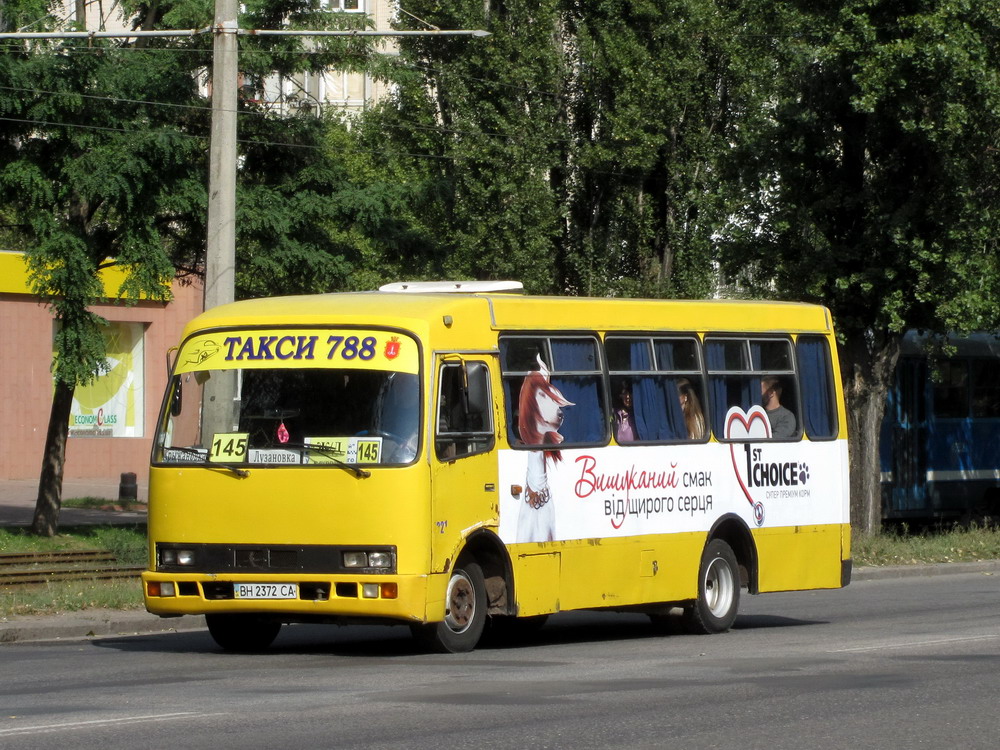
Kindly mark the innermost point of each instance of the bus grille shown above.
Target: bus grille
(245, 558)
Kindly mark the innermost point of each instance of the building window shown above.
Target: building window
(348, 6)
(112, 405)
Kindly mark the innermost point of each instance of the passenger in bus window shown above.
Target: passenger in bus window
(694, 418)
(625, 431)
(782, 420)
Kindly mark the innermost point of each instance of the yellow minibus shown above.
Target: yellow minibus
(453, 455)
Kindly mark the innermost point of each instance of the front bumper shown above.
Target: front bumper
(388, 597)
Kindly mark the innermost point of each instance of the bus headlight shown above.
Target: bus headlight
(185, 557)
(367, 559)
(355, 559)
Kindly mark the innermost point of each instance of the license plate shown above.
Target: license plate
(266, 591)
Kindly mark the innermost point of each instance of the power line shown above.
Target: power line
(254, 141)
(246, 141)
(395, 59)
(112, 99)
(100, 128)
(139, 34)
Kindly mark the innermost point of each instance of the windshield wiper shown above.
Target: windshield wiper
(329, 453)
(203, 460)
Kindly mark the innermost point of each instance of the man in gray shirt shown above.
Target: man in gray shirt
(782, 420)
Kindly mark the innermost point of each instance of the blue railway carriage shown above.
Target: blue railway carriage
(940, 440)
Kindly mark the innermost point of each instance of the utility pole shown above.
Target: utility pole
(219, 406)
(220, 253)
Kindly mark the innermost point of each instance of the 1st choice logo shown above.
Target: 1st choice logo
(762, 473)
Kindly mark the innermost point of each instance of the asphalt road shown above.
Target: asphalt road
(903, 663)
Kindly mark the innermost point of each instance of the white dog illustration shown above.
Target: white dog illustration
(539, 419)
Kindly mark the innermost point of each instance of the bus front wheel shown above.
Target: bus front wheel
(714, 611)
(465, 614)
(242, 633)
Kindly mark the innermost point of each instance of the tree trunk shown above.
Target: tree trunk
(46, 521)
(868, 364)
(148, 23)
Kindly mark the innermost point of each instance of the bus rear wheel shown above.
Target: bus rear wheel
(714, 611)
(465, 614)
(242, 633)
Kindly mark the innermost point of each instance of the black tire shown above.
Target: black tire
(242, 633)
(714, 611)
(464, 617)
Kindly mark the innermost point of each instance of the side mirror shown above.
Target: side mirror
(477, 377)
(175, 399)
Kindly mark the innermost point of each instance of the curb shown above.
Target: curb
(988, 567)
(87, 624)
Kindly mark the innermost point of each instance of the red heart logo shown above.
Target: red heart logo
(742, 426)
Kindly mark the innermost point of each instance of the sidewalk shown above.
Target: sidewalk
(17, 503)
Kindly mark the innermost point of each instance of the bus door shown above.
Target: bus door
(463, 452)
(909, 438)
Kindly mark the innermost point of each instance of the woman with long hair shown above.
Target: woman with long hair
(694, 419)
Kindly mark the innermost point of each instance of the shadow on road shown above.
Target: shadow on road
(395, 641)
(756, 622)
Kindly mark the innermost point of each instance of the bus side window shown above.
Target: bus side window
(656, 385)
(560, 380)
(745, 372)
(464, 411)
(985, 388)
(951, 390)
(729, 382)
(816, 380)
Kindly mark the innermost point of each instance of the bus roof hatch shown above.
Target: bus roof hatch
(467, 287)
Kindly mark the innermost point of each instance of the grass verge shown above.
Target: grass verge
(902, 546)
(128, 545)
(70, 596)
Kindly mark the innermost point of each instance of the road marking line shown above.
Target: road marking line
(41, 728)
(909, 644)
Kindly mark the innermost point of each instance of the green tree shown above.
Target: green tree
(95, 176)
(103, 162)
(872, 185)
(474, 130)
(652, 102)
(576, 148)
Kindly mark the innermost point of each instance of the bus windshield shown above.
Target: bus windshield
(309, 414)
